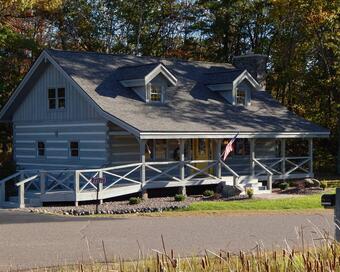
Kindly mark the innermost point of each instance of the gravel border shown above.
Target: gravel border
(119, 207)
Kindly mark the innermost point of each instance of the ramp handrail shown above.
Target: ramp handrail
(235, 175)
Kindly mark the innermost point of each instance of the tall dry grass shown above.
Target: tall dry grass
(322, 256)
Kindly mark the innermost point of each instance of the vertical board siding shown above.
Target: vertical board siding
(35, 105)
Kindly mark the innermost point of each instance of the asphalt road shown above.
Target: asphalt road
(30, 240)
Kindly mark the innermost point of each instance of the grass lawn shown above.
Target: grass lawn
(308, 202)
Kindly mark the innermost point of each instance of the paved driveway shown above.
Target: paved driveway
(30, 240)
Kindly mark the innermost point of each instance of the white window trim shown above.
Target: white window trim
(56, 98)
(149, 93)
(245, 97)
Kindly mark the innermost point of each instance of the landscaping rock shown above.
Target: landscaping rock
(120, 207)
(311, 182)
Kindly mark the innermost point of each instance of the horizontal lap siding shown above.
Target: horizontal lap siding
(92, 140)
(92, 145)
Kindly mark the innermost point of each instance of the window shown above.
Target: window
(155, 93)
(51, 99)
(56, 98)
(41, 149)
(74, 149)
(241, 97)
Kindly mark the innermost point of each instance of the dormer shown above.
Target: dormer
(233, 84)
(148, 81)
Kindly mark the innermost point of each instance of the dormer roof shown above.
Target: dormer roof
(141, 75)
(229, 78)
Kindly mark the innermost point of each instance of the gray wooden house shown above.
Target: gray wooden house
(143, 123)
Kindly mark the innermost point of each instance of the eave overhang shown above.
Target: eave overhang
(221, 135)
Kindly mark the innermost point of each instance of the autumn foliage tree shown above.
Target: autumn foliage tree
(301, 38)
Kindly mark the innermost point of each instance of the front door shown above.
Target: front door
(201, 150)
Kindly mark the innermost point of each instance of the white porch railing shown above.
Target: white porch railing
(26, 180)
(284, 167)
(77, 184)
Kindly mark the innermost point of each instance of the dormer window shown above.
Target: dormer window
(155, 93)
(241, 97)
(233, 84)
(149, 81)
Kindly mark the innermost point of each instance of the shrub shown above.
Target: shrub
(134, 200)
(323, 185)
(179, 197)
(250, 192)
(208, 193)
(284, 186)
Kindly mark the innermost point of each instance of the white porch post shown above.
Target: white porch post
(252, 157)
(142, 144)
(2, 192)
(76, 188)
(270, 182)
(42, 182)
(283, 157)
(182, 166)
(218, 169)
(21, 194)
(310, 154)
(100, 184)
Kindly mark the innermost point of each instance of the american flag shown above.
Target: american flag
(229, 147)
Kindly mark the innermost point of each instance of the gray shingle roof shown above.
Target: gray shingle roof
(220, 77)
(135, 71)
(190, 106)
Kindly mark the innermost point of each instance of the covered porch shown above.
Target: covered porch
(188, 162)
(162, 163)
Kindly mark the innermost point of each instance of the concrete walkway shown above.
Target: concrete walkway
(30, 240)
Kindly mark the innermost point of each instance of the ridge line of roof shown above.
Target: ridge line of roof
(151, 57)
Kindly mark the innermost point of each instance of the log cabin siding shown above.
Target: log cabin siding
(91, 136)
(123, 147)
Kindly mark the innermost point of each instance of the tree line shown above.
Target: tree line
(301, 38)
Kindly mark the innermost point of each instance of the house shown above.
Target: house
(139, 123)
